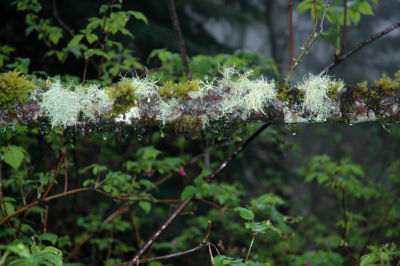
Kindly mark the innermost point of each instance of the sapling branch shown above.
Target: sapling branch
(310, 40)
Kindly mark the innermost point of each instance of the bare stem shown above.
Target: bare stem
(179, 37)
(251, 245)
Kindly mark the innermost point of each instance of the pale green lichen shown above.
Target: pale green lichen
(317, 95)
(166, 111)
(64, 106)
(244, 96)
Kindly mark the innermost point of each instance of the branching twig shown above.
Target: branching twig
(203, 243)
(310, 39)
(361, 45)
(179, 37)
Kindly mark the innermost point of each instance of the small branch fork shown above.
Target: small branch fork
(358, 47)
(184, 203)
(310, 39)
(179, 37)
(201, 245)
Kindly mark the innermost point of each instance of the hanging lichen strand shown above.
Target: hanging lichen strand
(197, 104)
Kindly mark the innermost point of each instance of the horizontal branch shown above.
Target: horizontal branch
(196, 105)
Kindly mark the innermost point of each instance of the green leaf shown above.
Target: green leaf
(91, 38)
(188, 192)
(245, 213)
(368, 259)
(365, 8)
(258, 227)
(75, 41)
(145, 205)
(52, 238)
(139, 15)
(52, 255)
(14, 156)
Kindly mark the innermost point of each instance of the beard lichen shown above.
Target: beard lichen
(320, 93)
(64, 105)
(14, 87)
(241, 96)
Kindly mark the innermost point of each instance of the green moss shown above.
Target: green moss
(289, 95)
(14, 88)
(397, 75)
(178, 90)
(386, 85)
(334, 87)
(188, 125)
(123, 94)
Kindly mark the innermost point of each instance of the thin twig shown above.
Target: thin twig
(157, 233)
(60, 21)
(361, 45)
(46, 215)
(3, 203)
(240, 148)
(342, 41)
(251, 245)
(291, 32)
(65, 174)
(201, 245)
(179, 37)
(310, 40)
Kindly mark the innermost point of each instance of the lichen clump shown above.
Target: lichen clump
(319, 95)
(14, 87)
(241, 96)
(65, 106)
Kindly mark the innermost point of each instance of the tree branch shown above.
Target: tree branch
(358, 47)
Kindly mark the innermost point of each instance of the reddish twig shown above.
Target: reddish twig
(310, 39)
(65, 174)
(201, 245)
(179, 37)
(46, 215)
(361, 45)
(2, 202)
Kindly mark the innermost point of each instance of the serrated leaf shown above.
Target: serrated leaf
(245, 213)
(368, 259)
(75, 41)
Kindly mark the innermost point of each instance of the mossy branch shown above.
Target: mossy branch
(198, 105)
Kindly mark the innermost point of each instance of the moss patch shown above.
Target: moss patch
(178, 90)
(124, 94)
(14, 87)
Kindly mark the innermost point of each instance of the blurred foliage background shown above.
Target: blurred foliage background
(307, 195)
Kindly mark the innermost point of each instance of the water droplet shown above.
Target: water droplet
(350, 124)
(104, 137)
(162, 133)
(140, 137)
